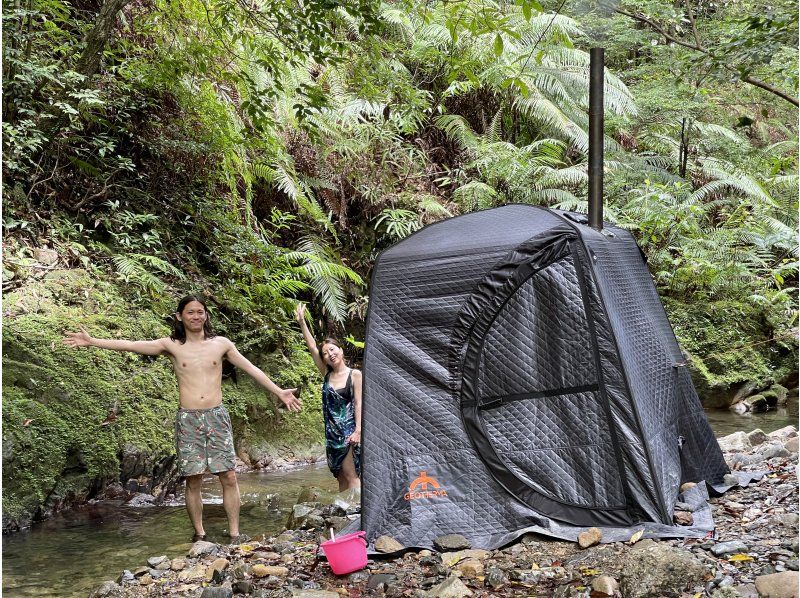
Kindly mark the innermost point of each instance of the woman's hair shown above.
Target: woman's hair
(179, 330)
(329, 340)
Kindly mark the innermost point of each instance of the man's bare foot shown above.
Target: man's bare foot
(197, 537)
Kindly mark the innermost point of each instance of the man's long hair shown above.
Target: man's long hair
(179, 330)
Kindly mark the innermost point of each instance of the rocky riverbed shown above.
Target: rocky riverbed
(754, 552)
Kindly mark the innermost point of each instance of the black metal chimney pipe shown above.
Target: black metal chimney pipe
(596, 71)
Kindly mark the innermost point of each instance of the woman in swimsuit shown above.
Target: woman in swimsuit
(341, 407)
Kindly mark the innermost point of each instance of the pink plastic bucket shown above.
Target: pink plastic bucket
(346, 553)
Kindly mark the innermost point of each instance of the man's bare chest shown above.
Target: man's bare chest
(197, 360)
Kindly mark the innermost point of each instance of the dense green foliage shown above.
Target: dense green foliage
(264, 153)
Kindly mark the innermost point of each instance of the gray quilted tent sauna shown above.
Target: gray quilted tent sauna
(521, 375)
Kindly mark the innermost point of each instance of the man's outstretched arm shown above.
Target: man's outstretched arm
(241, 362)
(82, 339)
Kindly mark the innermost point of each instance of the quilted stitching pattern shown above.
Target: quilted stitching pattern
(578, 468)
(648, 349)
(539, 339)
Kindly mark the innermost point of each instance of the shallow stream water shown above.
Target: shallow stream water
(74, 552)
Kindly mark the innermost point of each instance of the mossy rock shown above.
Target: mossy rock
(60, 445)
(730, 348)
(776, 394)
(757, 403)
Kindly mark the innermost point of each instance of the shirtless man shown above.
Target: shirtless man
(203, 430)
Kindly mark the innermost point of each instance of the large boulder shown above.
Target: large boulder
(654, 569)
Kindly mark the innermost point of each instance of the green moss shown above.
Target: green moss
(56, 436)
(729, 343)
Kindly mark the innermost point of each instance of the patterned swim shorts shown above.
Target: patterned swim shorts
(204, 439)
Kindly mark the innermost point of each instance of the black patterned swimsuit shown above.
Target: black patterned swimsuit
(338, 410)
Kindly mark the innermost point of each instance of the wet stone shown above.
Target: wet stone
(202, 547)
(683, 518)
(155, 561)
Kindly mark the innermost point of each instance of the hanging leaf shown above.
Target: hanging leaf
(498, 44)
(526, 10)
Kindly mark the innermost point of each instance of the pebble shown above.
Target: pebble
(605, 584)
(590, 537)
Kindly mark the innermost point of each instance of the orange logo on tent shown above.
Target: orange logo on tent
(422, 482)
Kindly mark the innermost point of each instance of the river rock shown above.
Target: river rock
(724, 549)
(261, 570)
(215, 569)
(301, 512)
(109, 589)
(757, 437)
(791, 444)
(787, 519)
(726, 592)
(155, 561)
(449, 559)
(452, 587)
(784, 433)
(757, 403)
(202, 547)
(738, 441)
(297, 593)
(771, 450)
(590, 537)
(177, 564)
(687, 486)
(496, 578)
(470, 568)
(126, 577)
(655, 569)
(450, 542)
(388, 544)
(605, 584)
(194, 573)
(223, 591)
(778, 585)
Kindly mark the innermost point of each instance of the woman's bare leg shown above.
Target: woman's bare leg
(347, 476)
